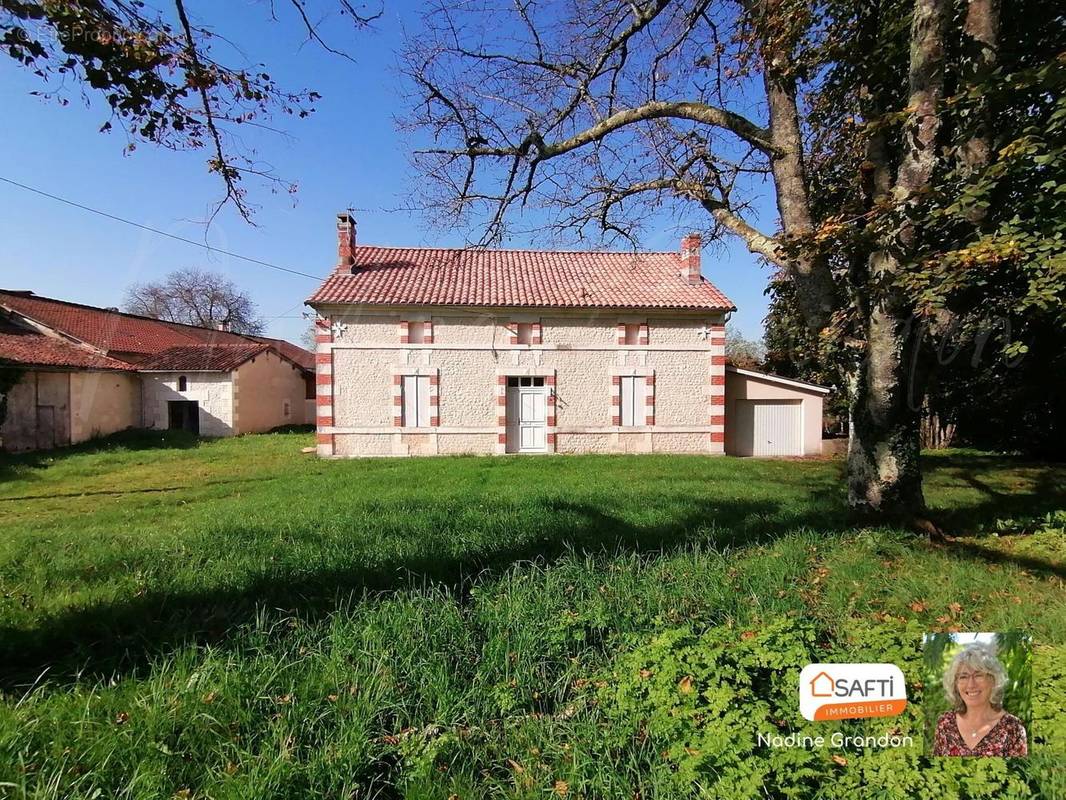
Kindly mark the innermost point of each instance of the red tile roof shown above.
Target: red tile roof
(304, 359)
(26, 347)
(535, 278)
(214, 357)
(137, 339)
(109, 330)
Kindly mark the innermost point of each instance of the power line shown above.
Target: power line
(161, 233)
(283, 314)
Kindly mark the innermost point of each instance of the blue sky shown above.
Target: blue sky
(347, 154)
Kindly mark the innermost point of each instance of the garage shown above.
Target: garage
(769, 427)
(770, 416)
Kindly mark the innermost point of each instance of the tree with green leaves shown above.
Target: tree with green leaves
(987, 294)
(899, 136)
(741, 351)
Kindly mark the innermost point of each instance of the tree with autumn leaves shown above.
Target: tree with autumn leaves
(169, 78)
(987, 292)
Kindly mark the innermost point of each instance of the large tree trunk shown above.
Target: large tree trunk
(815, 292)
(884, 474)
(980, 34)
(889, 382)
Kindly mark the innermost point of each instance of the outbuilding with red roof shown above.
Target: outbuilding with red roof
(84, 371)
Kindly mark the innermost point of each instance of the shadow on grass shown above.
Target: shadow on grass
(114, 638)
(125, 492)
(973, 550)
(1047, 492)
(19, 465)
(121, 637)
(293, 429)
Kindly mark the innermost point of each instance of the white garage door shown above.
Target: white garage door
(769, 428)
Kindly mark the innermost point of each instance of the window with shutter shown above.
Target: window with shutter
(632, 399)
(416, 401)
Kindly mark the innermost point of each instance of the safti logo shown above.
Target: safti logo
(851, 691)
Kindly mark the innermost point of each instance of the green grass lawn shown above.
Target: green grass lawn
(237, 619)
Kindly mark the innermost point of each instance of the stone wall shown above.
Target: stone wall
(212, 390)
(362, 357)
(56, 409)
(103, 403)
(38, 412)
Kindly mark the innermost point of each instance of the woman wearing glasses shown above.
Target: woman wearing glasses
(978, 725)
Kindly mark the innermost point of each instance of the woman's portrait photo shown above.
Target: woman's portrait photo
(977, 693)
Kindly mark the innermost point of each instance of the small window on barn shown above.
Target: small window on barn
(633, 333)
(632, 400)
(525, 332)
(286, 409)
(416, 332)
(183, 383)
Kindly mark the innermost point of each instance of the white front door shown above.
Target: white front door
(527, 415)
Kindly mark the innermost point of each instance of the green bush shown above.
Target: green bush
(696, 701)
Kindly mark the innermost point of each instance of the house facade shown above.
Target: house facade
(434, 351)
(85, 372)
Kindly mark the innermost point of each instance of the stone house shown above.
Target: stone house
(427, 351)
(434, 351)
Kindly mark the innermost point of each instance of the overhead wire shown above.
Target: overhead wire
(159, 232)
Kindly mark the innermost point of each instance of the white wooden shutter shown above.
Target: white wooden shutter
(423, 401)
(410, 400)
(632, 400)
(415, 401)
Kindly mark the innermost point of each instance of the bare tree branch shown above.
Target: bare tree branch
(535, 105)
(534, 146)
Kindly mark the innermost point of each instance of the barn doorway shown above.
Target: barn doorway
(184, 415)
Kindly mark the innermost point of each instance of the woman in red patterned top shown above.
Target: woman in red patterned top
(978, 726)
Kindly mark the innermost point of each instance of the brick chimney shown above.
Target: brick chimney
(690, 258)
(345, 240)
